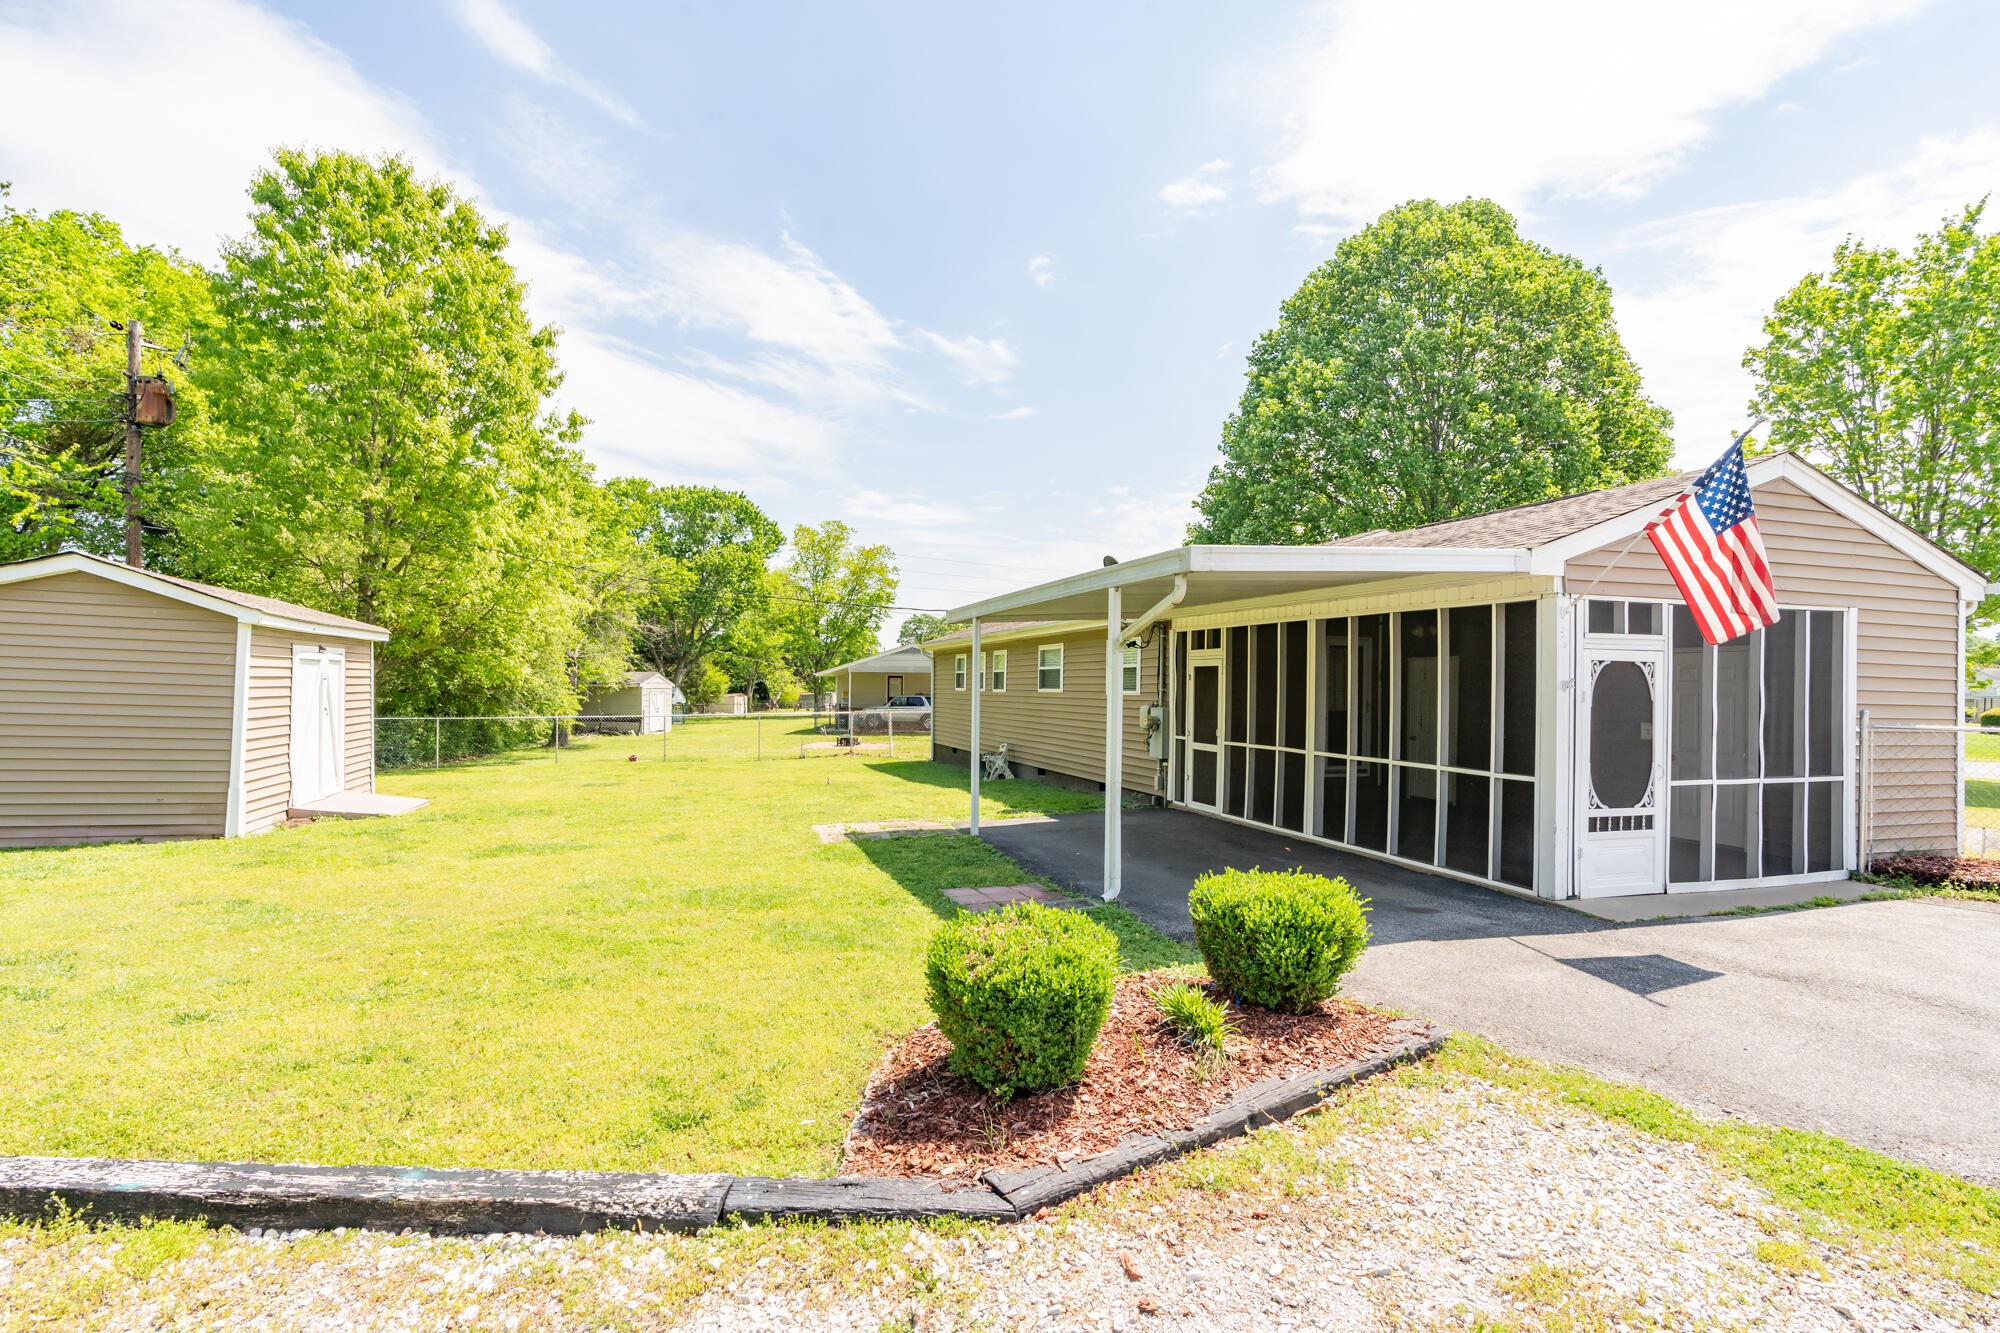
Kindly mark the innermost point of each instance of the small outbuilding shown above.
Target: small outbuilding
(644, 704)
(139, 706)
(872, 681)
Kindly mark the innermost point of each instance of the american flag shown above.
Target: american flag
(1709, 541)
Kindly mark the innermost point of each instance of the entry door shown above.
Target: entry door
(318, 691)
(1203, 756)
(654, 702)
(894, 687)
(1621, 778)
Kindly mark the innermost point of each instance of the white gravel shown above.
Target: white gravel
(1463, 1204)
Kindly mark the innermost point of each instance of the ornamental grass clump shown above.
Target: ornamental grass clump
(1200, 1021)
(1281, 939)
(1021, 994)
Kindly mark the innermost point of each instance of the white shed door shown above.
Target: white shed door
(318, 692)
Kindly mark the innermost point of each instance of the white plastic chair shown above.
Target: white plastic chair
(994, 764)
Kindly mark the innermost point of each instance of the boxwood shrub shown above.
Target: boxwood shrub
(1021, 994)
(1281, 939)
(1990, 718)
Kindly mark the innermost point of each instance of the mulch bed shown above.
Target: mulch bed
(920, 1119)
(1938, 869)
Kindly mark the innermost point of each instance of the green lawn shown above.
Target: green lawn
(1982, 793)
(590, 963)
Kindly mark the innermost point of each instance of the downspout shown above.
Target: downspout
(1173, 599)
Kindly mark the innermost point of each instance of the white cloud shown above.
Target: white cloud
(977, 360)
(1041, 270)
(1573, 98)
(512, 41)
(1206, 184)
(1021, 413)
(1731, 264)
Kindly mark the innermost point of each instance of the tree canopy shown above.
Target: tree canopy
(1885, 371)
(837, 594)
(386, 452)
(922, 625)
(1438, 365)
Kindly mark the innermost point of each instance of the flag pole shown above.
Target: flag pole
(1627, 548)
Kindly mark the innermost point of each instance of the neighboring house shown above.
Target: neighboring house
(1984, 692)
(644, 704)
(870, 682)
(134, 705)
(1516, 699)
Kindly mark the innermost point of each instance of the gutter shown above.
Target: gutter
(1130, 635)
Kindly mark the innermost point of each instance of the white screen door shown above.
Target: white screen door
(1203, 756)
(318, 692)
(1621, 760)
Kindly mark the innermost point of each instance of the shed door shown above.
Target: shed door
(318, 691)
(1621, 774)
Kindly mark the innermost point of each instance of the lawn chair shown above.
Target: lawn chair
(994, 764)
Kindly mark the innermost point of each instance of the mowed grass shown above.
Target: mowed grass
(591, 963)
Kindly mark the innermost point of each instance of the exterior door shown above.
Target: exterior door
(654, 704)
(318, 692)
(1203, 740)
(1621, 773)
(894, 687)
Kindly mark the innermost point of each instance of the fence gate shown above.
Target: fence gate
(1929, 789)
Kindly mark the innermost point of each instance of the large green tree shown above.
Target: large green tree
(837, 594)
(919, 626)
(1440, 364)
(387, 450)
(710, 551)
(68, 281)
(1885, 371)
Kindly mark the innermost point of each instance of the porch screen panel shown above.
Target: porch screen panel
(1371, 686)
(1517, 688)
(1416, 813)
(1466, 833)
(1333, 689)
(1418, 663)
(1371, 804)
(1292, 791)
(1264, 692)
(1469, 688)
(1757, 763)
(1514, 851)
(1333, 800)
(1292, 716)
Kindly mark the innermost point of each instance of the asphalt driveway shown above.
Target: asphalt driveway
(1878, 1022)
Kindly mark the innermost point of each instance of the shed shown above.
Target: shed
(1519, 699)
(643, 704)
(872, 681)
(139, 706)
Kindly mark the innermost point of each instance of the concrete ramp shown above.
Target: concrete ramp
(357, 805)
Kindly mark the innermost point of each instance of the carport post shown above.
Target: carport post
(1114, 739)
(972, 666)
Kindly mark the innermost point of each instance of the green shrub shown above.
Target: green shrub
(1198, 1020)
(1021, 994)
(1281, 939)
(1990, 718)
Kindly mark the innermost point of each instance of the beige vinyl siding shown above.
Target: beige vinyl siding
(1064, 732)
(115, 712)
(1906, 627)
(267, 730)
(870, 689)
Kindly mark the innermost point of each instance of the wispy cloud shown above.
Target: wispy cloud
(1541, 97)
(503, 33)
(977, 360)
(1207, 184)
(1021, 413)
(1041, 270)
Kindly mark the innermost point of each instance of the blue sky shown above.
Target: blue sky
(981, 282)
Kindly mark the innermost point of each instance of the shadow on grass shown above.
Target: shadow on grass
(1017, 796)
(926, 864)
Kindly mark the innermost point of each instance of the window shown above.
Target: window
(1129, 671)
(958, 672)
(1602, 617)
(1049, 668)
(999, 676)
(982, 671)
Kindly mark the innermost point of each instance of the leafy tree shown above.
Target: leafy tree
(388, 454)
(1885, 371)
(837, 594)
(921, 626)
(1438, 365)
(64, 279)
(710, 551)
(611, 582)
(753, 654)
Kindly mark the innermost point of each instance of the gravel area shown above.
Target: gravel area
(1445, 1203)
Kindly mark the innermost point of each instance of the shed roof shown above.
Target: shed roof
(245, 606)
(904, 657)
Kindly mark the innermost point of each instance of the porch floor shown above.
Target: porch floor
(357, 805)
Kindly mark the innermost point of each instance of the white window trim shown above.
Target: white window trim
(1133, 660)
(996, 676)
(1039, 668)
(958, 672)
(982, 672)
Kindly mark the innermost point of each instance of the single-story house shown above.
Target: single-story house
(135, 705)
(644, 704)
(872, 681)
(1518, 699)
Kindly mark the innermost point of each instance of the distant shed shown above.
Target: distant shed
(138, 706)
(644, 704)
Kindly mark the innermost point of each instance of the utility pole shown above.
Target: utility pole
(133, 341)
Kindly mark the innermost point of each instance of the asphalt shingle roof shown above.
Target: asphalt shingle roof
(1534, 524)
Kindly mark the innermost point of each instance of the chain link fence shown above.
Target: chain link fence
(433, 742)
(1929, 789)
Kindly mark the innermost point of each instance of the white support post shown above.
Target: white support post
(1114, 741)
(972, 667)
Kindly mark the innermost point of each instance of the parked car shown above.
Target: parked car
(906, 712)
